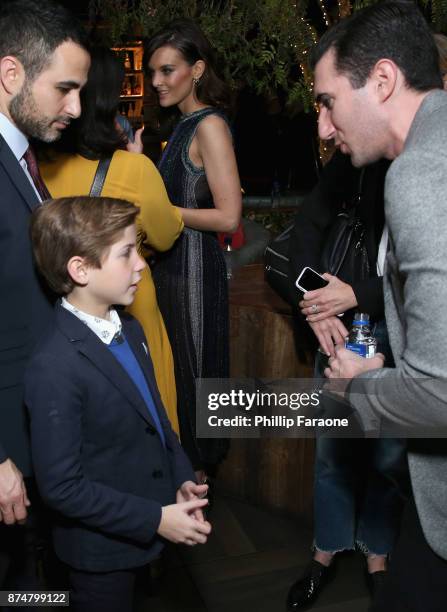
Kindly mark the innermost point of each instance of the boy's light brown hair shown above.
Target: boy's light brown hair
(82, 226)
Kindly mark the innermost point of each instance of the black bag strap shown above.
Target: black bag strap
(358, 196)
(100, 177)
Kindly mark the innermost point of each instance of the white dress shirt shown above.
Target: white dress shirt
(105, 329)
(18, 143)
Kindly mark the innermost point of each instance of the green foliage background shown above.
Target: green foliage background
(261, 43)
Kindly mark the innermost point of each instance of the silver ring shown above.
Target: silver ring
(314, 308)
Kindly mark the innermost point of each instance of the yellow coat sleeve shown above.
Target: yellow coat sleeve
(160, 221)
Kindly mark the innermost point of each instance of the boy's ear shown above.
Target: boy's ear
(78, 270)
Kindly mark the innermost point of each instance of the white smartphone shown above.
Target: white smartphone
(309, 280)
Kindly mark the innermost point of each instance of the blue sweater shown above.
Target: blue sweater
(123, 353)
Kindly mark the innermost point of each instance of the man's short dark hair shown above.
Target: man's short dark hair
(395, 30)
(78, 225)
(32, 29)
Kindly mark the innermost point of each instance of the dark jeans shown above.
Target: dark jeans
(417, 577)
(357, 497)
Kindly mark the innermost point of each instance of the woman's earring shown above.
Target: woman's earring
(196, 81)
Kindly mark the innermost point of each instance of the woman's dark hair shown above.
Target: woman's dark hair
(187, 38)
(94, 135)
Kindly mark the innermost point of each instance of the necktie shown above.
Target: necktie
(33, 169)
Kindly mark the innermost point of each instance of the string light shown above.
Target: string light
(323, 10)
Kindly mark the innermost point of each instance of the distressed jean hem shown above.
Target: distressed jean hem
(362, 547)
(359, 545)
(315, 548)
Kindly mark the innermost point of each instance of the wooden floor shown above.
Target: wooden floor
(248, 565)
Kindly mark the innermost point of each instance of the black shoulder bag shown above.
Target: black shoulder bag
(344, 253)
(276, 262)
(100, 177)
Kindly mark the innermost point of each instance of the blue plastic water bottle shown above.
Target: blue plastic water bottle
(360, 339)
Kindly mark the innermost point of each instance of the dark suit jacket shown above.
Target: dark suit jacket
(339, 183)
(25, 308)
(98, 459)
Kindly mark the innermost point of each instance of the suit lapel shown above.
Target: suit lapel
(102, 358)
(17, 175)
(91, 347)
(145, 362)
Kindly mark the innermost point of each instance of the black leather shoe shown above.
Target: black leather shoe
(305, 590)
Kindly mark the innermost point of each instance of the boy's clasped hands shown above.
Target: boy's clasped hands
(183, 522)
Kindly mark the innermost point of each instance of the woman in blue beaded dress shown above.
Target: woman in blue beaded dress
(199, 169)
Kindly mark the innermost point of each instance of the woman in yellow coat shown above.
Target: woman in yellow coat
(132, 177)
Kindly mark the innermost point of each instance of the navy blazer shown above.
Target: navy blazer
(98, 458)
(25, 306)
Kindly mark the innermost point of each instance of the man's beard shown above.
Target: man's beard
(28, 119)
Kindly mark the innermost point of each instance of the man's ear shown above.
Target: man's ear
(384, 77)
(78, 270)
(12, 74)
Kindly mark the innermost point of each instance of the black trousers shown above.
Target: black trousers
(102, 592)
(22, 545)
(417, 577)
(26, 559)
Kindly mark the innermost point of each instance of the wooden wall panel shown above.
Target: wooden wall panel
(276, 472)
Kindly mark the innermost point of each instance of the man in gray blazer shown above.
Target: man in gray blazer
(378, 87)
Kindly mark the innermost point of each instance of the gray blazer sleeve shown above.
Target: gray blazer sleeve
(413, 394)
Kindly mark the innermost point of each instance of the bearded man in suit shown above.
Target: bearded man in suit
(43, 66)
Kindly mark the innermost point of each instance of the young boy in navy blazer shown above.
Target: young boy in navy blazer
(106, 459)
